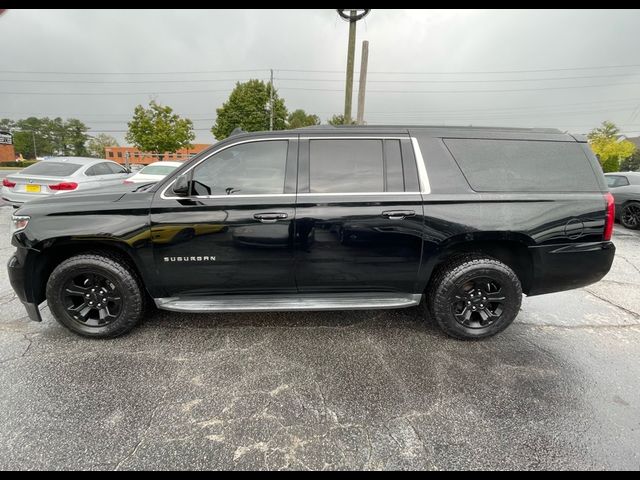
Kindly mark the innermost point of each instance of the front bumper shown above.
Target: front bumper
(565, 267)
(18, 279)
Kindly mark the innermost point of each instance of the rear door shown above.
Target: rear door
(117, 173)
(98, 175)
(359, 215)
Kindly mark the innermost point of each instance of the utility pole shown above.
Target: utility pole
(362, 86)
(35, 151)
(271, 101)
(352, 17)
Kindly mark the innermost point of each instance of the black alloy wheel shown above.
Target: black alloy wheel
(92, 299)
(630, 216)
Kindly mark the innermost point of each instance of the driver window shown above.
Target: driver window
(255, 168)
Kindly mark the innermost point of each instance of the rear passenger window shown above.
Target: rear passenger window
(616, 181)
(523, 165)
(346, 166)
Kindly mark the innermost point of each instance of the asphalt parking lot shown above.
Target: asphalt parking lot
(330, 390)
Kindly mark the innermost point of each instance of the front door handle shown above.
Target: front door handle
(271, 217)
(398, 214)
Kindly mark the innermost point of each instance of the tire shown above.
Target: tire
(630, 216)
(464, 287)
(96, 278)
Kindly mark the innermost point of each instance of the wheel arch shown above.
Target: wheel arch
(53, 253)
(512, 249)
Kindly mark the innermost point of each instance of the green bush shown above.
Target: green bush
(18, 164)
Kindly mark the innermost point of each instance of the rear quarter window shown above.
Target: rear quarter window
(523, 165)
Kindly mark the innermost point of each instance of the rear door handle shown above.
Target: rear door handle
(398, 214)
(271, 217)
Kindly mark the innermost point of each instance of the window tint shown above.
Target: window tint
(256, 168)
(52, 169)
(616, 181)
(346, 166)
(99, 169)
(523, 166)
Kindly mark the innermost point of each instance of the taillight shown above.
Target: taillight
(8, 183)
(611, 213)
(64, 186)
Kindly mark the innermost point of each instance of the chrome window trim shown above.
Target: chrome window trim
(423, 178)
(310, 194)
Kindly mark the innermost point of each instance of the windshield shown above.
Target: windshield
(158, 169)
(51, 169)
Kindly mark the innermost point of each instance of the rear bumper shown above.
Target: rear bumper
(18, 198)
(18, 279)
(565, 267)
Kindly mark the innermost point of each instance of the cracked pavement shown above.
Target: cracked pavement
(330, 390)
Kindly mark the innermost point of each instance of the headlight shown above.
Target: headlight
(18, 223)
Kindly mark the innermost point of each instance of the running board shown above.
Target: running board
(292, 302)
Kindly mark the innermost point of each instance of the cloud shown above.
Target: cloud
(313, 44)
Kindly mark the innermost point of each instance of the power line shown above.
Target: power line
(468, 91)
(266, 70)
(479, 72)
(123, 82)
(181, 92)
(138, 82)
(132, 73)
(464, 81)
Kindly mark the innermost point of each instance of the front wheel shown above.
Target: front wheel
(95, 295)
(630, 216)
(474, 297)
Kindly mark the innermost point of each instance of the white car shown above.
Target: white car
(61, 175)
(154, 172)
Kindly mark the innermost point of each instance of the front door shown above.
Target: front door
(234, 233)
(359, 216)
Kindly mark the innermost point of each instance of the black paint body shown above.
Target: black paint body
(327, 243)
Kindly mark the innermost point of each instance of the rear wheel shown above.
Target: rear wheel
(630, 215)
(96, 296)
(474, 297)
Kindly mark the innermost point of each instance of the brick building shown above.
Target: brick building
(7, 153)
(119, 154)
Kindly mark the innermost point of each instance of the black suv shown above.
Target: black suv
(463, 220)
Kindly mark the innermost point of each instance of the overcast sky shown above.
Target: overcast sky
(471, 67)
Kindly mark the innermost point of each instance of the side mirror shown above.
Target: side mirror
(181, 187)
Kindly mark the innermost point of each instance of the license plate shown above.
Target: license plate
(33, 188)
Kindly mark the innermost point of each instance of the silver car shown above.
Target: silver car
(625, 188)
(61, 175)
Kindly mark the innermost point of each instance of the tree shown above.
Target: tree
(631, 164)
(249, 108)
(338, 119)
(299, 118)
(609, 149)
(158, 130)
(96, 145)
(51, 136)
(607, 130)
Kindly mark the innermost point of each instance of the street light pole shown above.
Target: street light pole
(352, 17)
